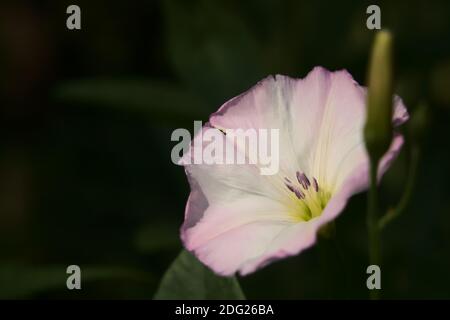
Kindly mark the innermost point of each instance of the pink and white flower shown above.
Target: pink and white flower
(236, 219)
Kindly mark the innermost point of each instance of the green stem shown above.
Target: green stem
(393, 213)
(372, 224)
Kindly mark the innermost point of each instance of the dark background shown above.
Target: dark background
(86, 117)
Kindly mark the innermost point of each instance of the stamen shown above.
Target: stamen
(291, 188)
(312, 203)
(297, 192)
(305, 178)
(316, 185)
(301, 180)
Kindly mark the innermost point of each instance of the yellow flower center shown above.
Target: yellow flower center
(309, 200)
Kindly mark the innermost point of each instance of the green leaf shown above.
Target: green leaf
(17, 281)
(187, 278)
(155, 99)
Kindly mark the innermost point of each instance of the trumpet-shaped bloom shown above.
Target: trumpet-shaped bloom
(236, 219)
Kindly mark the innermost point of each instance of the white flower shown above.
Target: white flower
(238, 220)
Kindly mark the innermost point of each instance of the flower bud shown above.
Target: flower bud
(378, 128)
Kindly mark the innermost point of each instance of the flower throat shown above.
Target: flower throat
(310, 198)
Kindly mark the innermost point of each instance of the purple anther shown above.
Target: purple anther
(290, 187)
(301, 180)
(305, 178)
(299, 194)
(316, 185)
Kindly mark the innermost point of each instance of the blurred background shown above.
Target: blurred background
(86, 117)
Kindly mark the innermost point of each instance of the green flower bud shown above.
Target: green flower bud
(378, 128)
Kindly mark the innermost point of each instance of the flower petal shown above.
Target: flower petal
(229, 235)
(329, 139)
(264, 106)
(222, 183)
(320, 117)
(295, 238)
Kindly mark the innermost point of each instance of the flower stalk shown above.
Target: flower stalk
(372, 224)
(378, 133)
